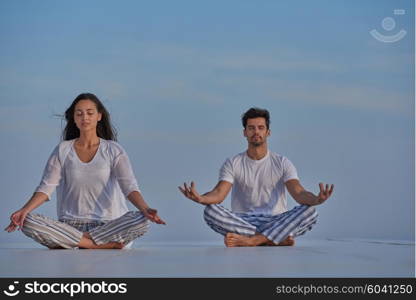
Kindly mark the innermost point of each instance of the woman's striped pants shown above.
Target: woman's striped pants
(276, 228)
(68, 233)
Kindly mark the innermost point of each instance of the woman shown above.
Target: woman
(93, 175)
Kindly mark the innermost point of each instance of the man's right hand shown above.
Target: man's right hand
(191, 193)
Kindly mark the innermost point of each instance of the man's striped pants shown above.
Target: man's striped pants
(68, 233)
(276, 228)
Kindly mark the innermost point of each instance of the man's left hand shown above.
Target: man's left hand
(324, 193)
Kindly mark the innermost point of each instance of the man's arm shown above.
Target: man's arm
(216, 196)
(302, 196)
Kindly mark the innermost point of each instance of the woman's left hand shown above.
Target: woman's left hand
(151, 214)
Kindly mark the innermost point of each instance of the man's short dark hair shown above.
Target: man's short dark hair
(256, 112)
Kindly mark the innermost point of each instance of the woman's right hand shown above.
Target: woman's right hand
(16, 220)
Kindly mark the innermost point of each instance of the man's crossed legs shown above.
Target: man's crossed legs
(246, 229)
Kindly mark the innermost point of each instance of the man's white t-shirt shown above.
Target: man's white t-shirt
(258, 185)
(96, 190)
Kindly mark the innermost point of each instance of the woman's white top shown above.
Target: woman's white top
(96, 190)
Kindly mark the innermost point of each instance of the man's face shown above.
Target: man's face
(256, 131)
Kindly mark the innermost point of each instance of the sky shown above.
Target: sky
(176, 76)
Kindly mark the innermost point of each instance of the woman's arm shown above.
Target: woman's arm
(50, 180)
(35, 201)
(128, 184)
(137, 199)
(18, 217)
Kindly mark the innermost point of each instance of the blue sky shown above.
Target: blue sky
(176, 77)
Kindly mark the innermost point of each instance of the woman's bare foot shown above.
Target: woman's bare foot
(111, 245)
(87, 242)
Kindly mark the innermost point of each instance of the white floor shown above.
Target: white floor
(309, 258)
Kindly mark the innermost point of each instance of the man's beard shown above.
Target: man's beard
(256, 144)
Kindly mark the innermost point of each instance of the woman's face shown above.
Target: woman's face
(86, 115)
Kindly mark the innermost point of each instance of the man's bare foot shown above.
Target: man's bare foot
(237, 240)
(289, 241)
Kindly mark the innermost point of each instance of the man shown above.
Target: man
(258, 179)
